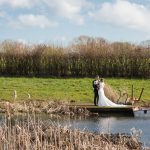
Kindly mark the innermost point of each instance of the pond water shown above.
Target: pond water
(105, 124)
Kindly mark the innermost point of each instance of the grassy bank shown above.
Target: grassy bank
(65, 89)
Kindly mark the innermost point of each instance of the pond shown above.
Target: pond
(105, 124)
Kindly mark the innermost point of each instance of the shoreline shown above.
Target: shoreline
(62, 109)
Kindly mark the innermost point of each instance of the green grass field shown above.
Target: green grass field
(79, 89)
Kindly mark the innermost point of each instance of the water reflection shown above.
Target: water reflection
(105, 125)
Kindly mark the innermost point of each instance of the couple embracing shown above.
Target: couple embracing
(99, 96)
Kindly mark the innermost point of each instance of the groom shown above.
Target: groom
(96, 87)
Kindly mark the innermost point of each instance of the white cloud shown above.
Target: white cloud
(72, 10)
(18, 3)
(124, 13)
(69, 9)
(35, 21)
(23, 41)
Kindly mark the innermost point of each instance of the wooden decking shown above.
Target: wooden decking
(119, 111)
(128, 111)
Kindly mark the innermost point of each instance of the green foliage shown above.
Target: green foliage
(78, 89)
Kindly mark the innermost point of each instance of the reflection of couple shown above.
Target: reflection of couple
(99, 96)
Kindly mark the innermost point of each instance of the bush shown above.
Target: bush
(85, 56)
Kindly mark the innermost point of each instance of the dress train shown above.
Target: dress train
(103, 100)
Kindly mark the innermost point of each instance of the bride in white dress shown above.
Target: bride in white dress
(103, 100)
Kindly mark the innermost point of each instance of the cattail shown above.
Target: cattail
(29, 96)
(15, 95)
(40, 135)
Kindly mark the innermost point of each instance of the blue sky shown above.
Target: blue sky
(60, 21)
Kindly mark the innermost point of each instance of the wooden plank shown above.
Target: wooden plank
(120, 111)
(112, 111)
(132, 93)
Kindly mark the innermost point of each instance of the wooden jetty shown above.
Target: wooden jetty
(143, 109)
(110, 111)
(119, 111)
(128, 111)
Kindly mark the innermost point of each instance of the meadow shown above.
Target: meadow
(68, 89)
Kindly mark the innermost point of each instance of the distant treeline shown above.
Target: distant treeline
(84, 57)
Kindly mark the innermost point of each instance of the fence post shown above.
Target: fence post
(141, 94)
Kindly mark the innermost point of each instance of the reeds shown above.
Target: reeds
(33, 134)
(48, 107)
(86, 56)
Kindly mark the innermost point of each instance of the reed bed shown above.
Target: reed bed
(33, 134)
(85, 56)
(48, 107)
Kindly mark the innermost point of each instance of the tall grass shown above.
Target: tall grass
(32, 134)
(48, 107)
(86, 56)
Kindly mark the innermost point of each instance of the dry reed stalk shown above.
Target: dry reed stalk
(51, 107)
(35, 134)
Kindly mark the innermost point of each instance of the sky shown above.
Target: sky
(60, 21)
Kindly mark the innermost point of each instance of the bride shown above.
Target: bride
(103, 100)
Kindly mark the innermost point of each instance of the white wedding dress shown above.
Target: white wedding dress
(103, 100)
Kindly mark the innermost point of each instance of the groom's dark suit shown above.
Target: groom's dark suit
(96, 87)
